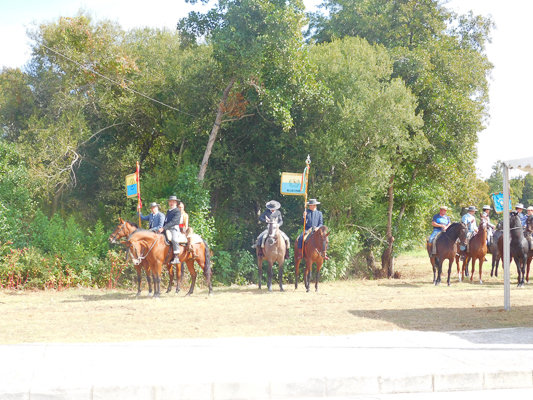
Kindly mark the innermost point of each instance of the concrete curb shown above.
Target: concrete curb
(271, 368)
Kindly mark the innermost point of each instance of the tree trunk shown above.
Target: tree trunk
(214, 130)
(404, 205)
(387, 262)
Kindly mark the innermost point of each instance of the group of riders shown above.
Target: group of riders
(441, 222)
(176, 222)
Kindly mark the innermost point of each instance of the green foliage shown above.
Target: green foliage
(344, 247)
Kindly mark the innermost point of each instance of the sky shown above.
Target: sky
(511, 85)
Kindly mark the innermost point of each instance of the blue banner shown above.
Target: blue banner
(497, 199)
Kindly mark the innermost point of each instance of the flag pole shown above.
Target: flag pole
(305, 179)
(139, 203)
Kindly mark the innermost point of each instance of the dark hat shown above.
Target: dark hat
(174, 198)
(313, 202)
(273, 205)
(154, 204)
(471, 208)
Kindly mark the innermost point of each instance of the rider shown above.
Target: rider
(272, 211)
(172, 221)
(440, 223)
(313, 220)
(470, 221)
(490, 231)
(528, 233)
(519, 208)
(156, 219)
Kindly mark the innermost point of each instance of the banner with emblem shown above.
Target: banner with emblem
(293, 184)
(497, 199)
(131, 185)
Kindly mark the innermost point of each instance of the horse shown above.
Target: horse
(496, 255)
(274, 251)
(314, 251)
(447, 250)
(519, 246)
(152, 247)
(477, 249)
(125, 229)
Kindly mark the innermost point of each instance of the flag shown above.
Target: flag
(131, 185)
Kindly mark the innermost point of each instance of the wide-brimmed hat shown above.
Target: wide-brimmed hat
(313, 202)
(519, 205)
(174, 198)
(487, 208)
(530, 208)
(471, 208)
(273, 205)
(443, 208)
(154, 204)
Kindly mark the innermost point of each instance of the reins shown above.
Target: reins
(142, 257)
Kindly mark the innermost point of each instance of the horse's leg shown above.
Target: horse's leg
(269, 275)
(458, 263)
(318, 266)
(157, 279)
(296, 268)
(201, 260)
(438, 265)
(528, 265)
(280, 273)
(307, 273)
(179, 276)
(139, 279)
(190, 266)
(523, 268)
(149, 280)
(171, 277)
(450, 269)
(260, 267)
(432, 261)
(473, 268)
(493, 265)
(467, 260)
(481, 260)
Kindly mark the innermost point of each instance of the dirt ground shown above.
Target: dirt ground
(412, 302)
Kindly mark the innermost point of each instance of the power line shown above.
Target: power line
(115, 82)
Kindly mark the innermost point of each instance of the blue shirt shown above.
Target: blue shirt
(470, 222)
(313, 219)
(440, 219)
(156, 221)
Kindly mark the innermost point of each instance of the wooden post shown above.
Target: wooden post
(139, 203)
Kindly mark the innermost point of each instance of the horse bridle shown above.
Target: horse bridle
(115, 236)
(142, 257)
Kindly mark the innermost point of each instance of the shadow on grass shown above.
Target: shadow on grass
(455, 319)
(105, 297)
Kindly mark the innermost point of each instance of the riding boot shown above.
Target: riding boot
(176, 259)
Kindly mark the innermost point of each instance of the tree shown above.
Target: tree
(258, 47)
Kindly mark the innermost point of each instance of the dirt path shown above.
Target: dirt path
(84, 315)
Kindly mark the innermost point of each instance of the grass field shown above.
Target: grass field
(412, 302)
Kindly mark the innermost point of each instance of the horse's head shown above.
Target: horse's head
(514, 219)
(273, 227)
(322, 240)
(119, 232)
(133, 250)
(529, 223)
(462, 231)
(499, 227)
(484, 223)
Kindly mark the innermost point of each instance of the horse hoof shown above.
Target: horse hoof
(480, 282)
(307, 290)
(281, 289)
(138, 294)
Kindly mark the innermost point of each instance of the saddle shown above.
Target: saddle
(434, 243)
(308, 234)
(182, 239)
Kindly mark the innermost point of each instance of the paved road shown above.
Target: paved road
(366, 364)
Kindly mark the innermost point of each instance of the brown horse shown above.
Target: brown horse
(125, 229)
(275, 248)
(152, 247)
(447, 250)
(494, 249)
(477, 250)
(314, 251)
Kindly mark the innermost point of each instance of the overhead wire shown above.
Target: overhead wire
(115, 82)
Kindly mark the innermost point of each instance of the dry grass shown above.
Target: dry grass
(412, 302)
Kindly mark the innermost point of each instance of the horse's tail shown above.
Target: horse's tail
(207, 258)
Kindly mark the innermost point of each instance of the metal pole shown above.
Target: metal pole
(506, 241)
(306, 179)
(138, 194)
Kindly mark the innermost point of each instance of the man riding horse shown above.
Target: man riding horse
(519, 208)
(491, 227)
(440, 223)
(272, 211)
(470, 221)
(313, 221)
(156, 219)
(172, 222)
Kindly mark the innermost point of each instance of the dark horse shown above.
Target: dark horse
(529, 232)
(496, 255)
(477, 249)
(447, 249)
(275, 248)
(150, 246)
(519, 246)
(314, 251)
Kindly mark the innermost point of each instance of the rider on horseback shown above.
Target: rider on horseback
(440, 223)
(519, 208)
(156, 219)
(313, 221)
(172, 222)
(272, 211)
(490, 231)
(470, 221)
